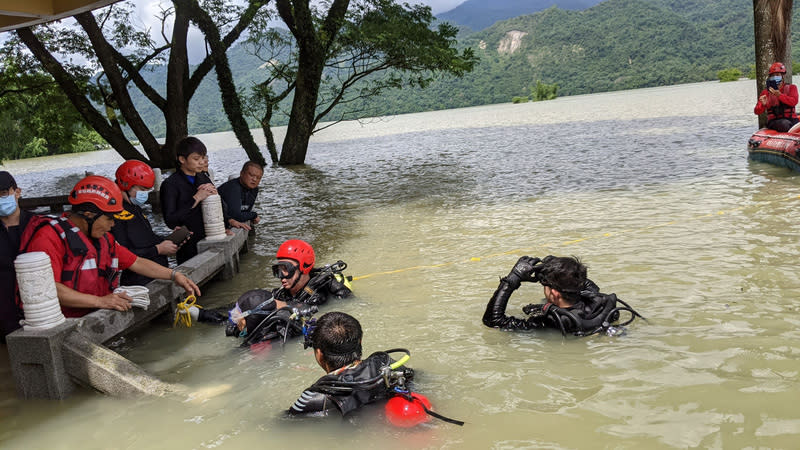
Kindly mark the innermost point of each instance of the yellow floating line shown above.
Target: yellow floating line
(571, 242)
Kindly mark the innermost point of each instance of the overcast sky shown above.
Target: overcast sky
(149, 9)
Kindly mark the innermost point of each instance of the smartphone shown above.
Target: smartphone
(179, 235)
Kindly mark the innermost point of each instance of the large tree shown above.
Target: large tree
(348, 50)
(119, 53)
(772, 21)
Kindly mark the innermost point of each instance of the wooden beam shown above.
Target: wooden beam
(23, 13)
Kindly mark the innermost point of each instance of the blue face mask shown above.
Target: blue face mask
(140, 198)
(8, 205)
(777, 78)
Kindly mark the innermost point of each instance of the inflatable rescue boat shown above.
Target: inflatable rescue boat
(775, 147)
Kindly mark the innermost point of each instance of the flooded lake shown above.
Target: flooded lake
(651, 188)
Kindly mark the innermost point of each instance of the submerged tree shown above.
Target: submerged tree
(772, 21)
(119, 53)
(348, 52)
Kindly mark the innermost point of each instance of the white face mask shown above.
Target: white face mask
(140, 198)
(8, 205)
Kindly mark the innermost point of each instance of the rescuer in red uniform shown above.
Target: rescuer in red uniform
(86, 259)
(778, 99)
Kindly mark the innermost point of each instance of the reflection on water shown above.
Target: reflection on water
(651, 188)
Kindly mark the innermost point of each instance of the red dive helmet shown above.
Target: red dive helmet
(98, 191)
(135, 173)
(299, 251)
(777, 67)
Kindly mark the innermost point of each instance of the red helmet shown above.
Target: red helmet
(98, 191)
(135, 173)
(777, 67)
(299, 251)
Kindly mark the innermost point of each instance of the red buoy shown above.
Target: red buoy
(406, 414)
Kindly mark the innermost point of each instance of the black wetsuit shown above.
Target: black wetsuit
(177, 197)
(584, 316)
(10, 314)
(238, 200)
(134, 231)
(347, 389)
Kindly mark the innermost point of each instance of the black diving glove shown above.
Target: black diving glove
(523, 271)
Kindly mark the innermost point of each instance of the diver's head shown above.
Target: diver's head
(249, 301)
(336, 340)
(295, 261)
(563, 279)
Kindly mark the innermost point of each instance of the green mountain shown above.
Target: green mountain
(617, 44)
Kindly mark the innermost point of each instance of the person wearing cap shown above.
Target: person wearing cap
(86, 259)
(572, 304)
(183, 191)
(239, 196)
(14, 221)
(131, 227)
(778, 100)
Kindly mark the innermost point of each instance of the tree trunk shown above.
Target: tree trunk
(177, 109)
(227, 87)
(304, 106)
(313, 51)
(772, 23)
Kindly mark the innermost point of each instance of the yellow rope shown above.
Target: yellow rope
(521, 251)
(182, 313)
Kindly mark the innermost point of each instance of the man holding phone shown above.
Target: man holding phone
(778, 100)
(131, 227)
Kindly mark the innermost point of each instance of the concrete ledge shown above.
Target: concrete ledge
(47, 363)
(104, 325)
(106, 371)
(37, 361)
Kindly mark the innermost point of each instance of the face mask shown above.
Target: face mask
(777, 78)
(8, 205)
(140, 198)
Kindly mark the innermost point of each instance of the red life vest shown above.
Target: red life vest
(780, 110)
(88, 267)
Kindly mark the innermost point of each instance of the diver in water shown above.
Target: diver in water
(573, 303)
(261, 314)
(351, 382)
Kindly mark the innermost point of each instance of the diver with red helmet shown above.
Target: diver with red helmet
(86, 259)
(131, 227)
(262, 314)
(573, 303)
(778, 100)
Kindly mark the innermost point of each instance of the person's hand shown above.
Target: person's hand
(119, 302)
(236, 224)
(166, 248)
(763, 99)
(208, 187)
(188, 285)
(774, 92)
(256, 220)
(524, 268)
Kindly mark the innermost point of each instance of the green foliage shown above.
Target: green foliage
(520, 99)
(544, 91)
(731, 74)
(751, 74)
(36, 119)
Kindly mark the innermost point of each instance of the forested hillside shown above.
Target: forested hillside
(617, 44)
(479, 14)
